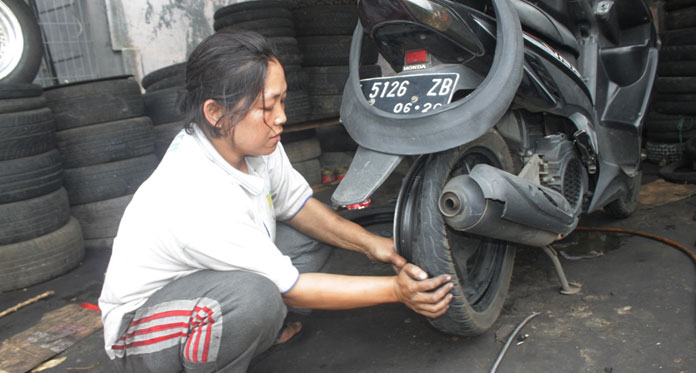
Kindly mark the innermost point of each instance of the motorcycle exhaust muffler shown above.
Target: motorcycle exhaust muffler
(493, 203)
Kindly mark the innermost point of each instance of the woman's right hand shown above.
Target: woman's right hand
(428, 297)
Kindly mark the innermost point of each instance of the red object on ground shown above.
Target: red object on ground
(90, 306)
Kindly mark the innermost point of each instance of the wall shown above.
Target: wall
(153, 34)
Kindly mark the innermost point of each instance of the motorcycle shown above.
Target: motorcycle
(521, 116)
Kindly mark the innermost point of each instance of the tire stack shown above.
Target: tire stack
(161, 98)
(107, 145)
(39, 239)
(672, 120)
(324, 34)
(273, 20)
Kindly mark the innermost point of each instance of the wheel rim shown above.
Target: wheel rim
(478, 260)
(11, 41)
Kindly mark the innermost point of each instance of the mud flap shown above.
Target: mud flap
(368, 170)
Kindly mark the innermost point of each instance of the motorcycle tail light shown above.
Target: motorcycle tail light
(420, 56)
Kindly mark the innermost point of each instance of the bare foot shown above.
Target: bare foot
(289, 331)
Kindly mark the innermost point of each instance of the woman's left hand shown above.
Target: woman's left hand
(382, 249)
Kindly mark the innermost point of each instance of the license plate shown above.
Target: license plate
(410, 94)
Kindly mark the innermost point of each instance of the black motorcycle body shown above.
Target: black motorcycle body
(524, 116)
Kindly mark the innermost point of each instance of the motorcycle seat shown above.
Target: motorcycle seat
(546, 27)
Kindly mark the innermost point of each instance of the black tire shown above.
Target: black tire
(14, 105)
(678, 37)
(676, 84)
(20, 66)
(677, 53)
(310, 170)
(19, 90)
(108, 180)
(295, 77)
(248, 6)
(270, 32)
(670, 137)
(31, 262)
(658, 152)
(260, 25)
(164, 134)
(162, 106)
(682, 18)
(667, 106)
(171, 71)
(292, 136)
(303, 150)
(325, 107)
(679, 4)
(101, 219)
(469, 259)
(297, 107)
(31, 218)
(626, 205)
(677, 68)
(255, 14)
(679, 172)
(326, 20)
(287, 50)
(106, 142)
(330, 80)
(30, 177)
(177, 81)
(26, 133)
(335, 139)
(669, 123)
(332, 50)
(296, 4)
(73, 105)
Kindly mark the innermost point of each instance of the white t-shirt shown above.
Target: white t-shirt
(198, 212)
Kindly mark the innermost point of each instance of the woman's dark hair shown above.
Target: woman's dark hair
(230, 68)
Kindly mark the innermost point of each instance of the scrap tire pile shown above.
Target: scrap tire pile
(39, 239)
(672, 120)
(108, 152)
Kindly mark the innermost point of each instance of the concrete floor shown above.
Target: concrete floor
(635, 313)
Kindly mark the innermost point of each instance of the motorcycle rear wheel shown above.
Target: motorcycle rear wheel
(480, 267)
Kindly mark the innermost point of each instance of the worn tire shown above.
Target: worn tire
(677, 53)
(438, 249)
(326, 20)
(164, 134)
(73, 105)
(162, 106)
(679, 4)
(30, 262)
(326, 106)
(287, 50)
(303, 150)
(676, 84)
(108, 180)
(295, 77)
(310, 170)
(23, 69)
(331, 80)
(248, 6)
(678, 37)
(297, 107)
(15, 97)
(101, 219)
(677, 68)
(27, 133)
(333, 50)
(31, 218)
(267, 27)
(681, 18)
(254, 14)
(30, 177)
(106, 142)
(176, 70)
(679, 172)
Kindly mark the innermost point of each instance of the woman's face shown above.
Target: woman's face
(258, 133)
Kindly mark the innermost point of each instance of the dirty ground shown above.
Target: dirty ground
(635, 312)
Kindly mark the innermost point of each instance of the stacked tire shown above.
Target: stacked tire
(672, 121)
(107, 145)
(38, 238)
(324, 34)
(272, 19)
(163, 88)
